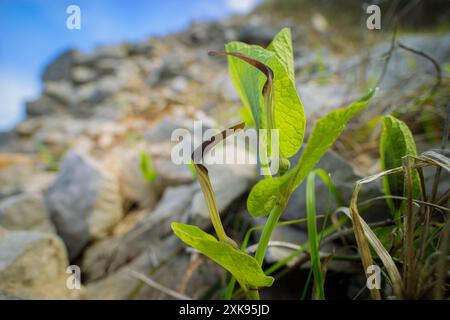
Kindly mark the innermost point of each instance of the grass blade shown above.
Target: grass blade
(319, 292)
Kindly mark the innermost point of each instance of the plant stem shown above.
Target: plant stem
(253, 294)
(270, 225)
(274, 216)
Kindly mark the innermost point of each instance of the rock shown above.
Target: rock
(170, 174)
(200, 32)
(83, 74)
(59, 69)
(119, 284)
(15, 170)
(133, 187)
(25, 212)
(179, 84)
(60, 91)
(84, 201)
(193, 276)
(5, 140)
(257, 34)
(110, 254)
(28, 127)
(39, 182)
(59, 132)
(3, 231)
(344, 177)
(144, 48)
(224, 86)
(95, 92)
(129, 222)
(33, 265)
(173, 65)
(318, 100)
(402, 67)
(44, 105)
(107, 66)
(164, 129)
(110, 52)
(319, 22)
(403, 64)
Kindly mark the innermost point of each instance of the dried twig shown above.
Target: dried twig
(158, 286)
(436, 65)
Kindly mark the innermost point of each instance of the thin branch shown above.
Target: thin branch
(158, 286)
(431, 59)
(388, 57)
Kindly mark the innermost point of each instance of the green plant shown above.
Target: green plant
(146, 167)
(264, 79)
(421, 240)
(48, 157)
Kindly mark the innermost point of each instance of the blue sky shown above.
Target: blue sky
(33, 32)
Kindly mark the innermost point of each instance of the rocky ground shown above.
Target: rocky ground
(72, 193)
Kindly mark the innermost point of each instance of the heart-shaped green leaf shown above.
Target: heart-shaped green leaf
(281, 45)
(248, 80)
(266, 193)
(242, 266)
(289, 117)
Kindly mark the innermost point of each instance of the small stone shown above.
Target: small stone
(59, 69)
(84, 201)
(25, 212)
(45, 105)
(82, 75)
(60, 91)
(110, 52)
(110, 254)
(15, 170)
(33, 265)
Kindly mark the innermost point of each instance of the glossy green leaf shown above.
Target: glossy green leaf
(248, 80)
(268, 192)
(242, 266)
(395, 143)
(282, 46)
(289, 117)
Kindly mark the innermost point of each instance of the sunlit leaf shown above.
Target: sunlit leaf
(288, 114)
(395, 143)
(242, 266)
(282, 46)
(266, 193)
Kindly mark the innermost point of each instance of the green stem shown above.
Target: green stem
(253, 294)
(230, 289)
(270, 225)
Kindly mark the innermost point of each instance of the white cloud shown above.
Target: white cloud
(241, 6)
(14, 91)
